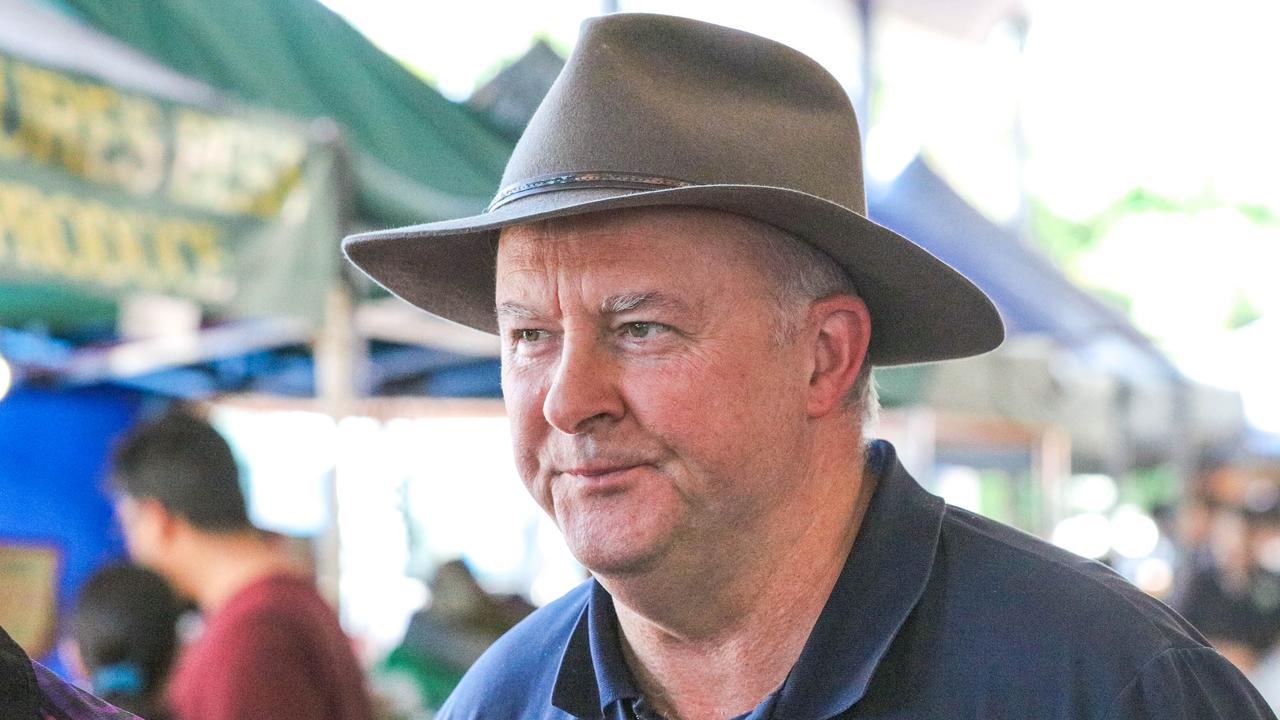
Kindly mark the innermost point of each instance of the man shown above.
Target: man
(690, 299)
(271, 647)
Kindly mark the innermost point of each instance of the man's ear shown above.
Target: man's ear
(164, 523)
(839, 346)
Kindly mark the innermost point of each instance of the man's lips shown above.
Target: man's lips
(599, 470)
(601, 477)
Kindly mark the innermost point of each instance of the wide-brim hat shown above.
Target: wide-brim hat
(655, 111)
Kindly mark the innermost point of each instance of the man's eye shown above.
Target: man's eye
(530, 335)
(641, 330)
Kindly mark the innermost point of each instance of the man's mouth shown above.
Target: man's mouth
(603, 476)
(598, 469)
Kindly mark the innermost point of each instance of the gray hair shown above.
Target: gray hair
(802, 274)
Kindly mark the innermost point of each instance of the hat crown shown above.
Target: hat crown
(679, 99)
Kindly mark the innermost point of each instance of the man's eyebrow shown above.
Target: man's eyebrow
(612, 305)
(515, 311)
(616, 304)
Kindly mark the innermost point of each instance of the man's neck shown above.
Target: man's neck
(221, 565)
(716, 649)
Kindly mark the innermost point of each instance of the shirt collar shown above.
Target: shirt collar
(881, 582)
(593, 673)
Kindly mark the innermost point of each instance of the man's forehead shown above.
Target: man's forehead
(667, 259)
(690, 232)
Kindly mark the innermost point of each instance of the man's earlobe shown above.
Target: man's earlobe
(840, 349)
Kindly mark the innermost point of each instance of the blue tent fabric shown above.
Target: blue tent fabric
(1033, 296)
(53, 451)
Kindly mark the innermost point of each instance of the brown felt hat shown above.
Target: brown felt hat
(653, 110)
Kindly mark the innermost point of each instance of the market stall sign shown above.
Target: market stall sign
(113, 192)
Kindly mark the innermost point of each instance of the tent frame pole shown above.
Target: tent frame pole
(340, 358)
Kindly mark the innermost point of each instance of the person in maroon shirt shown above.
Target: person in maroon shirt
(272, 647)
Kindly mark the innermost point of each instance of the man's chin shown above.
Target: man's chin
(617, 560)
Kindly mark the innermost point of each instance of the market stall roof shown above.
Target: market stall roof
(45, 35)
(1070, 360)
(120, 177)
(413, 156)
(1032, 294)
(417, 155)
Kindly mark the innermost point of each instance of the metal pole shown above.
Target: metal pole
(1026, 229)
(866, 15)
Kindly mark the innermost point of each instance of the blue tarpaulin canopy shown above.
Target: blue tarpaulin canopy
(1032, 294)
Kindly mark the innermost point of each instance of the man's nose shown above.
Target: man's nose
(583, 394)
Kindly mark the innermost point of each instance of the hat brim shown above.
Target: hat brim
(921, 309)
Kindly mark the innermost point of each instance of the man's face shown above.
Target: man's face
(655, 414)
(142, 527)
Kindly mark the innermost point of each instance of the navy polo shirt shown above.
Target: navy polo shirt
(938, 614)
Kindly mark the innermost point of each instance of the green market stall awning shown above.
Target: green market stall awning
(107, 191)
(417, 156)
(403, 153)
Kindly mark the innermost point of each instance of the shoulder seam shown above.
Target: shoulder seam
(1114, 707)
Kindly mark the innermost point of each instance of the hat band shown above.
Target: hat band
(577, 181)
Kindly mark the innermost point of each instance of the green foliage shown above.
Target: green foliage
(1067, 240)
(1064, 240)
(1243, 312)
(1140, 200)
(1116, 298)
(562, 46)
(1259, 214)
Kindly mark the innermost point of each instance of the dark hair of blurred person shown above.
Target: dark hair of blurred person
(185, 464)
(272, 646)
(124, 630)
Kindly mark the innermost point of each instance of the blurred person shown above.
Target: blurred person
(1221, 599)
(271, 646)
(1235, 599)
(1214, 493)
(1192, 521)
(690, 299)
(124, 637)
(30, 691)
(1266, 547)
(445, 638)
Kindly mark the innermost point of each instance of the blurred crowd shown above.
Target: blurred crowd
(1228, 576)
(216, 619)
(129, 627)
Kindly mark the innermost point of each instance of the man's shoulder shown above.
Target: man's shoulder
(1011, 626)
(279, 602)
(514, 678)
(1030, 585)
(275, 619)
